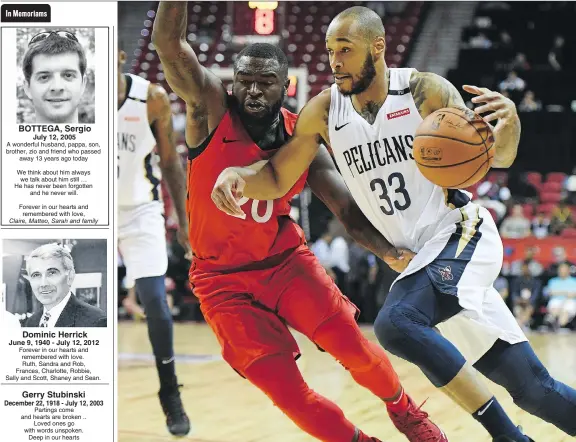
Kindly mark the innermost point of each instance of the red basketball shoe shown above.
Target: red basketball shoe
(416, 426)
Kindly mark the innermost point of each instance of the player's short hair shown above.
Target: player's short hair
(265, 50)
(53, 250)
(54, 44)
(369, 22)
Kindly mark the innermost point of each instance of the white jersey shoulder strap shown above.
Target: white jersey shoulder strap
(400, 80)
(139, 88)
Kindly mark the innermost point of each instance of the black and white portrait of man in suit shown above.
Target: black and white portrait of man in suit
(51, 273)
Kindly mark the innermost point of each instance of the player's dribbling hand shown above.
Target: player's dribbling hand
(398, 259)
(502, 109)
(228, 191)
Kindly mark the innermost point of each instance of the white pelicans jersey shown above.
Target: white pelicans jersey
(138, 171)
(377, 164)
(455, 240)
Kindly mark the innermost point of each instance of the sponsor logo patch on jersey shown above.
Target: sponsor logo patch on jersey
(398, 114)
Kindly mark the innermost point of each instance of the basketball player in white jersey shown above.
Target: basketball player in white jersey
(145, 125)
(369, 118)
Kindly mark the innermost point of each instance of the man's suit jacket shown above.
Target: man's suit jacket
(77, 313)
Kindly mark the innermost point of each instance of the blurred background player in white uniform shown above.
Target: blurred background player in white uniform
(144, 123)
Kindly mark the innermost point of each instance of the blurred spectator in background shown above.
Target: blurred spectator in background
(561, 218)
(512, 83)
(362, 290)
(520, 63)
(541, 225)
(506, 45)
(560, 258)
(480, 41)
(340, 261)
(498, 207)
(494, 190)
(525, 292)
(534, 266)
(358, 260)
(374, 279)
(556, 54)
(519, 186)
(483, 22)
(321, 248)
(502, 287)
(529, 103)
(562, 293)
(516, 225)
(570, 188)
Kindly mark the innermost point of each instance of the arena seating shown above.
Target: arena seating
(303, 38)
(306, 46)
(516, 250)
(532, 26)
(548, 136)
(549, 190)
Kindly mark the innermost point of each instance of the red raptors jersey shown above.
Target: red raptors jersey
(221, 241)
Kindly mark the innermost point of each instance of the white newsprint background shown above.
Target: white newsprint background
(58, 174)
(52, 402)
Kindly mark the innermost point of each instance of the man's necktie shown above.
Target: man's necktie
(44, 320)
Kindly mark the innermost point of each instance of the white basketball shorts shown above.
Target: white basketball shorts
(142, 241)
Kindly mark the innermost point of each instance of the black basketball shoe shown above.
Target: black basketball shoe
(176, 419)
(509, 439)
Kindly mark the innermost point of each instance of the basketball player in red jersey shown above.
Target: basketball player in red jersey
(254, 274)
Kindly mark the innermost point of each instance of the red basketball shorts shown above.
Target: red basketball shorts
(250, 310)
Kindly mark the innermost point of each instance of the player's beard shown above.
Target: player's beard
(366, 77)
(264, 120)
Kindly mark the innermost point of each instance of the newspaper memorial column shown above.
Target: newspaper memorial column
(57, 323)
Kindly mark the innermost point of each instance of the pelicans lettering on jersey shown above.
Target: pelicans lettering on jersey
(223, 242)
(138, 171)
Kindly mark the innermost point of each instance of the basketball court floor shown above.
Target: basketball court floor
(223, 407)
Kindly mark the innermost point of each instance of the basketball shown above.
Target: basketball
(453, 148)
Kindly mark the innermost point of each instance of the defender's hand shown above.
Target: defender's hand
(228, 191)
(503, 109)
(398, 259)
